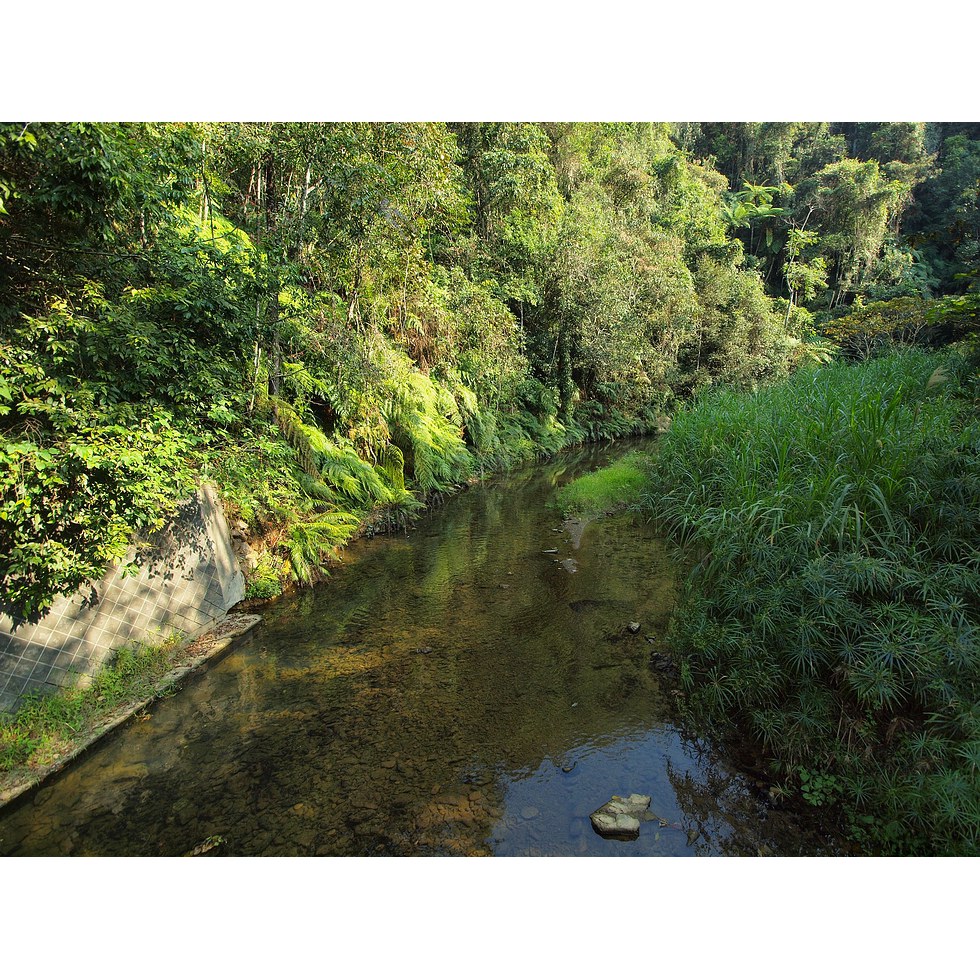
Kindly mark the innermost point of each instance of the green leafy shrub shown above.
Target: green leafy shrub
(75, 497)
(265, 580)
(868, 330)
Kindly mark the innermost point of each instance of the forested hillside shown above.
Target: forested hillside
(335, 323)
(331, 321)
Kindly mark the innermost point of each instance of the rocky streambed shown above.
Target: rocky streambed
(479, 686)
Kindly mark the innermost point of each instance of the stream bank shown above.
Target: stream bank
(472, 688)
(191, 657)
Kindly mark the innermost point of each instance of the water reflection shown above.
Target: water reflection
(467, 689)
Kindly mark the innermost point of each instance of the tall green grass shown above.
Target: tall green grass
(831, 610)
(612, 487)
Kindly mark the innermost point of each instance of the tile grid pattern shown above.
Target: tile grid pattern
(186, 579)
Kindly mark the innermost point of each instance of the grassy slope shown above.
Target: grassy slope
(832, 611)
(610, 488)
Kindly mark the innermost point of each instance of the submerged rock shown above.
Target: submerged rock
(662, 661)
(576, 529)
(620, 818)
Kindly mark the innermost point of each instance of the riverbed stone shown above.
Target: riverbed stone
(43, 795)
(615, 825)
(620, 818)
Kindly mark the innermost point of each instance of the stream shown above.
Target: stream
(469, 688)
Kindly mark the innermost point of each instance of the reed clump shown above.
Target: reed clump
(831, 611)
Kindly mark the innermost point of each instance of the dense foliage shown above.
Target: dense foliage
(832, 607)
(335, 322)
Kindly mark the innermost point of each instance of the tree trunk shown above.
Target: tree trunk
(275, 347)
(566, 388)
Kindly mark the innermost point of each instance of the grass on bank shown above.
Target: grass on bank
(832, 610)
(611, 488)
(46, 725)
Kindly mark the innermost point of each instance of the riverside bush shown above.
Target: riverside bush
(831, 608)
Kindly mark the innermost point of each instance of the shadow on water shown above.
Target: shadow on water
(464, 689)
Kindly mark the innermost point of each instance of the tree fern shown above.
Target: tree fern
(391, 465)
(425, 423)
(332, 465)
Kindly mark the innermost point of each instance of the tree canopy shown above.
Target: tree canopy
(326, 318)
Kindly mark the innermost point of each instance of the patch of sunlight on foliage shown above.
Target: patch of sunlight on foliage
(613, 487)
(215, 230)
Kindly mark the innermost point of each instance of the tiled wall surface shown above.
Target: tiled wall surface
(185, 579)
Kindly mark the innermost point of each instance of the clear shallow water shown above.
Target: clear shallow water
(456, 691)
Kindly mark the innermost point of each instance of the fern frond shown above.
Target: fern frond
(312, 544)
(315, 488)
(391, 465)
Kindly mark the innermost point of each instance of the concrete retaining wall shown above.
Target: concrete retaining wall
(185, 579)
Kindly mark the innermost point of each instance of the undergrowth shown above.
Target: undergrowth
(832, 609)
(46, 724)
(304, 494)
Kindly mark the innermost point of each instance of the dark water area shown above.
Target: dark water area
(464, 689)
